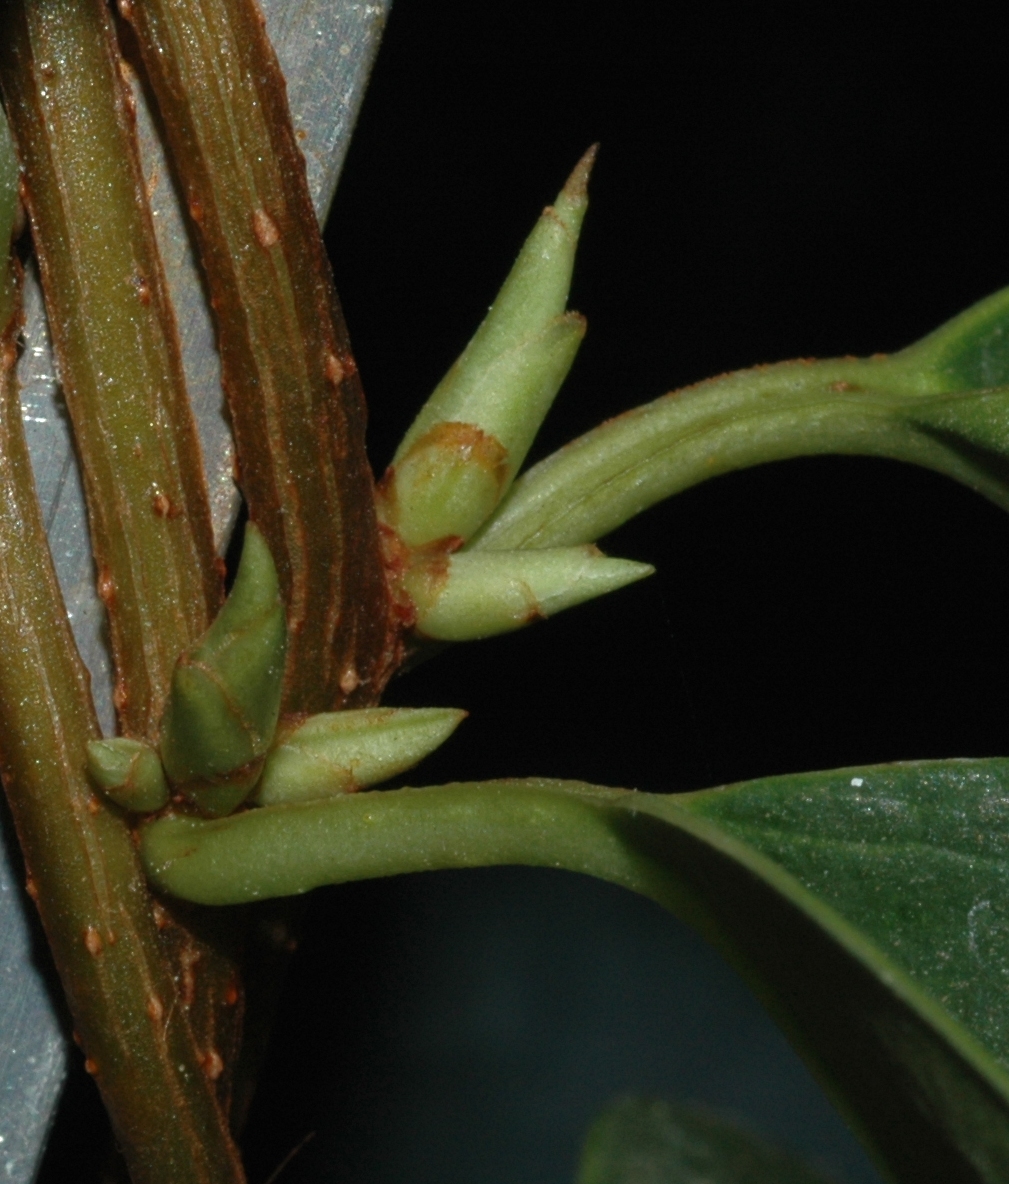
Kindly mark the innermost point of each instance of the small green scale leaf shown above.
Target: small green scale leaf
(466, 445)
(129, 773)
(480, 594)
(344, 751)
(224, 701)
(649, 1141)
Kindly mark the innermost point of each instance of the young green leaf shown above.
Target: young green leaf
(927, 1097)
(647, 1141)
(344, 751)
(467, 596)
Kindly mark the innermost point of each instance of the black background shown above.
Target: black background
(773, 181)
(766, 189)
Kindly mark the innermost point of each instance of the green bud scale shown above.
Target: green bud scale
(129, 773)
(477, 594)
(341, 752)
(464, 449)
(225, 696)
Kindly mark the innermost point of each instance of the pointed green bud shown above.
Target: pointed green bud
(486, 411)
(225, 698)
(344, 751)
(448, 483)
(480, 593)
(534, 294)
(445, 486)
(128, 772)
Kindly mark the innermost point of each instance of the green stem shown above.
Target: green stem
(295, 398)
(116, 343)
(119, 362)
(82, 864)
(885, 407)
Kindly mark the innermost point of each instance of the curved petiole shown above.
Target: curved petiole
(928, 1098)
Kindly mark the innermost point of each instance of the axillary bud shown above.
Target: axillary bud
(129, 773)
(224, 701)
(476, 594)
(464, 449)
(340, 752)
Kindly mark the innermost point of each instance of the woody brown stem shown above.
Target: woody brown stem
(118, 356)
(82, 865)
(292, 385)
(115, 341)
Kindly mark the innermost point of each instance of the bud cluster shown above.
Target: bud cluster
(462, 453)
(222, 739)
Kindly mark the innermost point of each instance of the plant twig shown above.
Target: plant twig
(115, 340)
(82, 865)
(292, 385)
(118, 353)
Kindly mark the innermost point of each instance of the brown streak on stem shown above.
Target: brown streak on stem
(296, 401)
(115, 341)
(89, 887)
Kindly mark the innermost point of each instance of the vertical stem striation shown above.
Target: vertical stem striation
(115, 339)
(82, 865)
(119, 361)
(292, 385)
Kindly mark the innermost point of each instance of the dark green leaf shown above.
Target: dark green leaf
(971, 351)
(916, 855)
(646, 1141)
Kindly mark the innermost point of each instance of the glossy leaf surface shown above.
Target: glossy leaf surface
(915, 854)
(969, 352)
(647, 1141)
